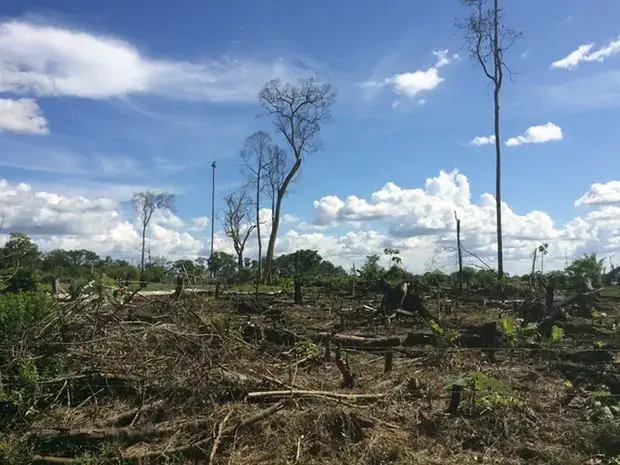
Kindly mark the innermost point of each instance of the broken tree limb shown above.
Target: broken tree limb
(198, 448)
(49, 460)
(127, 434)
(348, 377)
(318, 394)
(125, 417)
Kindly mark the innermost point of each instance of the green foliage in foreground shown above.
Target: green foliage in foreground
(22, 314)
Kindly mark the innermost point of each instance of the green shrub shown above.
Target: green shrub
(22, 279)
(21, 313)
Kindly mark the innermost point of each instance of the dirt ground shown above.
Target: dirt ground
(200, 380)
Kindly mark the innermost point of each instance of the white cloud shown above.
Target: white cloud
(70, 221)
(22, 115)
(443, 59)
(426, 216)
(584, 53)
(199, 223)
(601, 194)
(420, 222)
(548, 132)
(410, 84)
(482, 140)
(54, 61)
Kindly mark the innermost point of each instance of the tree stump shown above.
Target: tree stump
(298, 297)
(180, 286)
(389, 359)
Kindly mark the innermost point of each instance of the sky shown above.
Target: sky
(99, 100)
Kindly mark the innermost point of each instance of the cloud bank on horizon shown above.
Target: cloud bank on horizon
(44, 66)
(420, 222)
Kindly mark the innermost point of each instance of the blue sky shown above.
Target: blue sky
(110, 134)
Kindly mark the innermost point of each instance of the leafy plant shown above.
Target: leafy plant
(23, 312)
(557, 334)
(602, 406)
(444, 337)
(485, 393)
(305, 349)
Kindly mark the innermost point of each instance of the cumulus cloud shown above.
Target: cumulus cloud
(601, 194)
(428, 214)
(199, 223)
(55, 61)
(418, 221)
(22, 115)
(541, 134)
(482, 140)
(584, 53)
(73, 221)
(410, 84)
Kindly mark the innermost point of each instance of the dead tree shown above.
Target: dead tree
(145, 204)
(256, 155)
(298, 113)
(488, 40)
(459, 252)
(236, 226)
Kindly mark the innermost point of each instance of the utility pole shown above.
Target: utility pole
(212, 218)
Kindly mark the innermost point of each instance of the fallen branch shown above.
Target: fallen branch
(49, 460)
(197, 448)
(128, 434)
(126, 417)
(324, 394)
(218, 438)
(358, 341)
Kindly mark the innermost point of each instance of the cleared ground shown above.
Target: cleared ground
(229, 381)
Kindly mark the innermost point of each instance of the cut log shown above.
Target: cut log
(347, 340)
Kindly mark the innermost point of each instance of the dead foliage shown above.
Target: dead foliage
(185, 381)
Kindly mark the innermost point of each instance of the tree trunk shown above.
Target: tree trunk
(272, 240)
(276, 216)
(143, 248)
(240, 260)
(460, 253)
(258, 236)
(498, 143)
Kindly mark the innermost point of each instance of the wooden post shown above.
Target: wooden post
(217, 290)
(389, 358)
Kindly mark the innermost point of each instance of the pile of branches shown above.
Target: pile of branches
(141, 384)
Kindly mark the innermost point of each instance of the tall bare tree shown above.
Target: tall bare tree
(255, 155)
(236, 225)
(298, 111)
(145, 204)
(488, 39)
